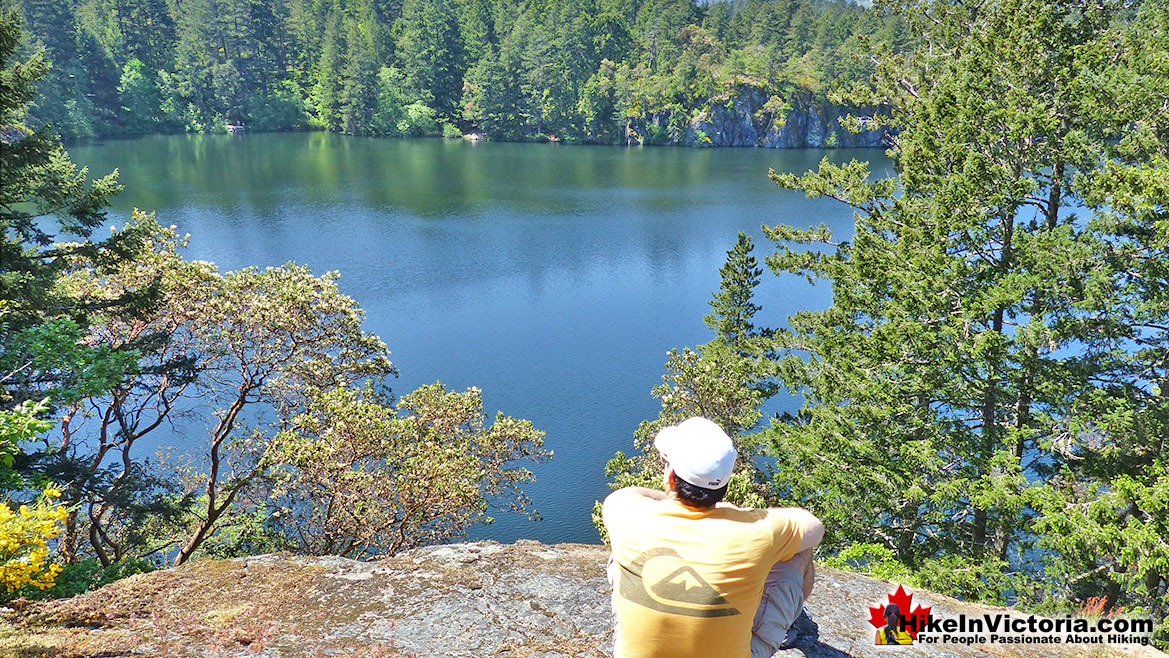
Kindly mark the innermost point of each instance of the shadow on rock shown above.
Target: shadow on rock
(816, 649)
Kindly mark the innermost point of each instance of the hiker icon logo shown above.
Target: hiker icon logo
(896, 625)
(673, 586)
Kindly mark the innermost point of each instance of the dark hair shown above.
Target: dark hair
(696, 496)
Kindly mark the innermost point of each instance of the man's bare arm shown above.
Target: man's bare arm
(616, 505)
(812, 527)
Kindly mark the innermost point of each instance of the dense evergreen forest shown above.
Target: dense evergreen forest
(598, 71)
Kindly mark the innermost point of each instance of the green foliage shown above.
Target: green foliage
(382, 480)
(420, 120)
(492, 95)
(43, 197)
(326, 75)
(283, 108)
(517, 71)
(335, 470)
(19, 424)
(981, 387)
(962, 577)
(872, 559)
(390, 110)
(85, 576)
(733, 307)
(248, 531)
(141, 102)
(713, 383)
(432, 54)
(54, 351)
(223, 343)
(359, 85)
(983, 579)
(41, 193)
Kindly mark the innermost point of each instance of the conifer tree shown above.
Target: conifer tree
(983, 383)
(48, 210)
(431, 53)
(43, 196)
(360, 83)
(257, 60)
(326, 91)
(733, 304)
(148, 32)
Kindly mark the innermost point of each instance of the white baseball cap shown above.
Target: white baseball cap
(698, 451)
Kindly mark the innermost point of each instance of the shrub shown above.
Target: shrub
(354, 477)
(85, 576)
(24, 542)
(451, 131)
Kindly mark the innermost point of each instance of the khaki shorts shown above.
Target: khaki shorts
(783, 599)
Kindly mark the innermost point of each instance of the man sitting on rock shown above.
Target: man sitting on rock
(694, 576)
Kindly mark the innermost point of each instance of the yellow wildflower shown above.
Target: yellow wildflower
(24, 537)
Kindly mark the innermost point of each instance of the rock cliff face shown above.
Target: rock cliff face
(525, 600)
(753, 116)
(750, 117)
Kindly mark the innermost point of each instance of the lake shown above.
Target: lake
(554, 278)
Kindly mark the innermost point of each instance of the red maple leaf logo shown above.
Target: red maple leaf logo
(911, 622)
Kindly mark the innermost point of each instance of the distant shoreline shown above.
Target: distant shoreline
(76, 141)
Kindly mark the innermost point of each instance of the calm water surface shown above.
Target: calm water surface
(554, 278)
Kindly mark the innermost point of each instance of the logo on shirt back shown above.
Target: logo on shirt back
(673, 586)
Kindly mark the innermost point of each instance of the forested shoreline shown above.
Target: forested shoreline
(588, 71)
(985, 402)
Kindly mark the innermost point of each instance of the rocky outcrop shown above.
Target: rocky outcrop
(525, 600)
(751, 116)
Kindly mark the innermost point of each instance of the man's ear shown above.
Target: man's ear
(671, 479)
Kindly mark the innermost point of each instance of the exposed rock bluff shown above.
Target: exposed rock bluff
(751, 115)
(525, 600)
(749, 118)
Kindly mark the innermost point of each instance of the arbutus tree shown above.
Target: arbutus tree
(240, 349)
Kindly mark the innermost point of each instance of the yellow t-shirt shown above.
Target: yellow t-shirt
(689, 580)
(897, 637)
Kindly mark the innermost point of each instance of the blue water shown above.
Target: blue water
(554, 278)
